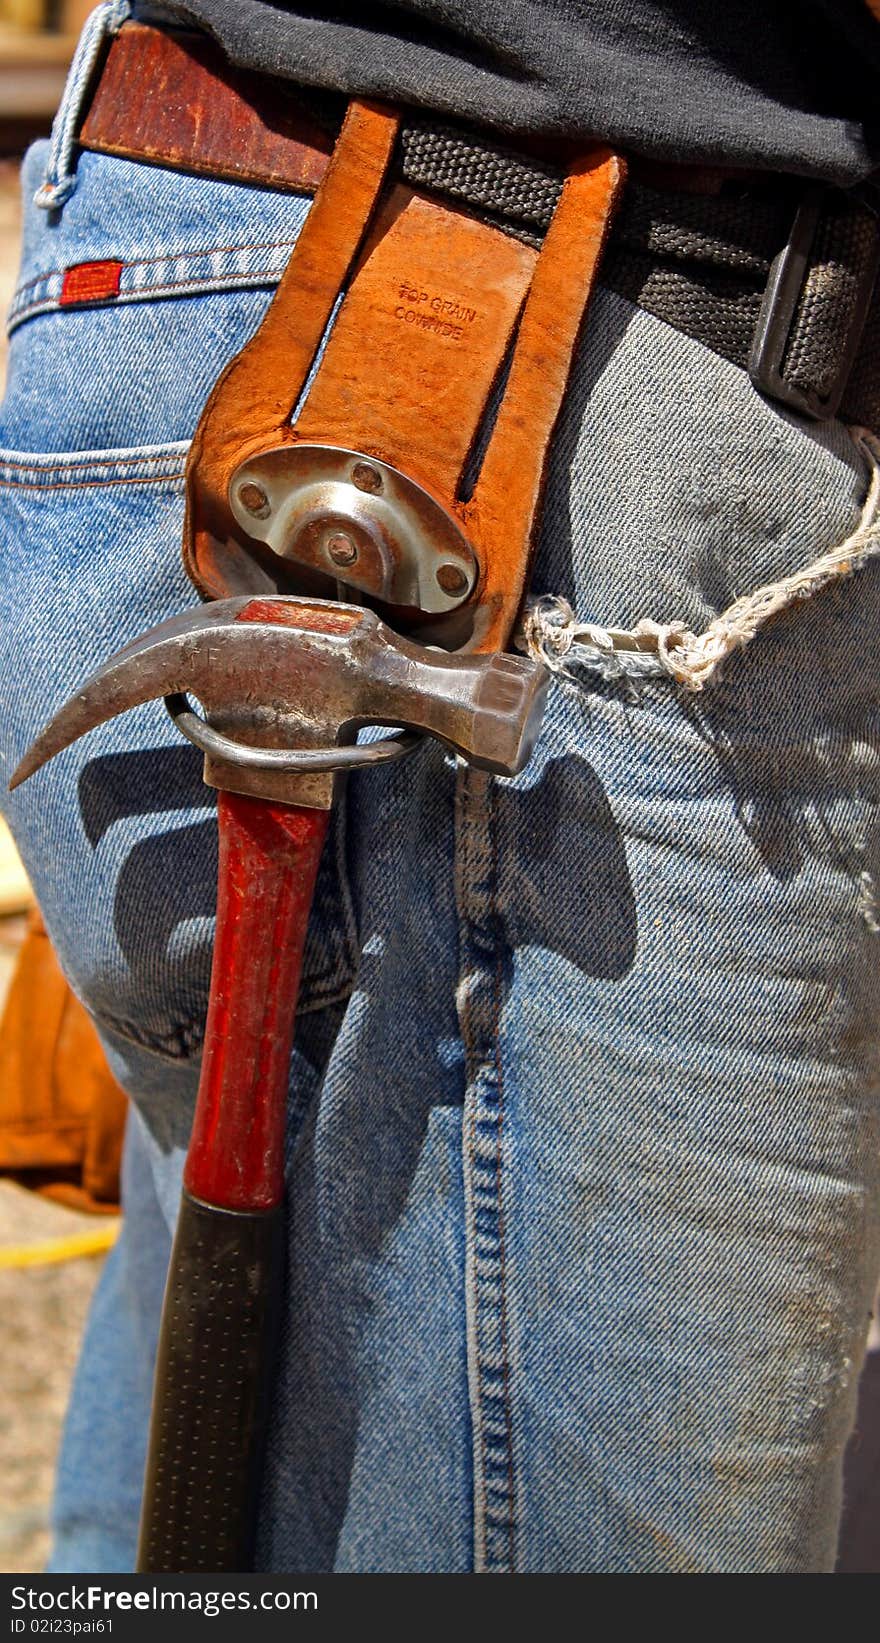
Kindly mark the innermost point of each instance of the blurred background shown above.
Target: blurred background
(45, 1287)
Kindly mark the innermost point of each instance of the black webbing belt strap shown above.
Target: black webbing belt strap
(774, 274)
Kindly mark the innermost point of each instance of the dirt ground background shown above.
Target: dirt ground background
(43, 1307)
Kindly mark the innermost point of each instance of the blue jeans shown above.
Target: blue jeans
(583, 1126)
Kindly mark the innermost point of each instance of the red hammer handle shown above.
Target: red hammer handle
(269, 856)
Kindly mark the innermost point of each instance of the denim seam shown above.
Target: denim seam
(463, 874)
(331, 986)
(161, 256)
(180, 1043)
(487, 1323)
(32, 470)
(503, 1330)
(171, 479)
(259, 280)
(88, 460)
(196, 280)
(503, 1321)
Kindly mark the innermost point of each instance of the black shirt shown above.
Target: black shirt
(754, 83)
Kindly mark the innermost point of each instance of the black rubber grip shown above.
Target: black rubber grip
(213, 1372)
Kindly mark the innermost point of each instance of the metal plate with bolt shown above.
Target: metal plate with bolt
(356, 518)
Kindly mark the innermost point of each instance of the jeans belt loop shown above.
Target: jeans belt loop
(59, 181)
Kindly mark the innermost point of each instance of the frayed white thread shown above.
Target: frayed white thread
(550, 627)
(868, 906)
(550, 630)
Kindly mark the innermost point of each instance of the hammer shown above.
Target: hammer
(285, 684)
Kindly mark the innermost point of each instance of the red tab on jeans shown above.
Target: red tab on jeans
(90, 282)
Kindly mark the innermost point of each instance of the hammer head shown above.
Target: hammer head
(294, 673)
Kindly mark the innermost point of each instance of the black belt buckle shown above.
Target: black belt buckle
(779, 307)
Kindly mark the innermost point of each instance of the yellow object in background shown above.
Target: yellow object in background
(16, 895)
(48, 1251)
(24, 14)
(36, 16)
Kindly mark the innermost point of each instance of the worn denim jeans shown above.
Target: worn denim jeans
(583, 1127)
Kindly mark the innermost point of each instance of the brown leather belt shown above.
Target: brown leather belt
(764, 270)
(202, 114)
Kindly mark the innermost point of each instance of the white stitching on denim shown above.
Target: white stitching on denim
(479, 1002)
(49, 463)
(550, 627)
(186, 253)
(46, 470)
(261, 281)
(252, 279)
(173, 477)
(59, 181)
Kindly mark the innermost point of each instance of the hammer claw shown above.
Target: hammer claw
(293, 673)
(138, 673)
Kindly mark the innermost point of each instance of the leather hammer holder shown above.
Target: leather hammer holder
(440, 382)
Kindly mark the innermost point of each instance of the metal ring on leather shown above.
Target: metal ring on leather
(281, 759)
